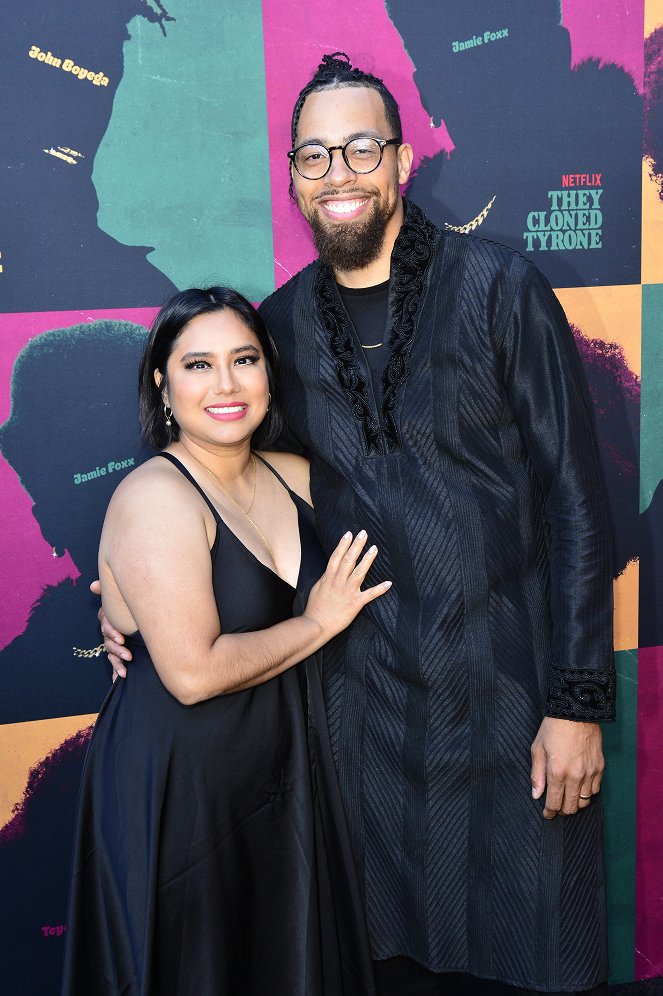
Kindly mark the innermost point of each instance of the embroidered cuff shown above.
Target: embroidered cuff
(588, 696)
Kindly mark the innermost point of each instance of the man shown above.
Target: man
(435, 383)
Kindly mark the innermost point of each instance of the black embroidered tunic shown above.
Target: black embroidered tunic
(476, 474)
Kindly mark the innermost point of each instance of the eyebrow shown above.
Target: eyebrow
(249, 348)
(365, 133)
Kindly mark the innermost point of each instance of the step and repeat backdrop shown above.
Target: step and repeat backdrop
(143, 150)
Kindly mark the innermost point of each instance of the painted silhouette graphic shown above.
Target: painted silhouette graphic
(547, 159)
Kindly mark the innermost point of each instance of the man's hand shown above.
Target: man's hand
(113, 640)
(567, 757)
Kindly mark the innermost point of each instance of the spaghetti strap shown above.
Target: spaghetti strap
(274, 472)
(180, 466)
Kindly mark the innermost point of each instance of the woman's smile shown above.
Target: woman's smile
(227, 412)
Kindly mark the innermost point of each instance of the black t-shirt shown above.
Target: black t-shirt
(367, 308)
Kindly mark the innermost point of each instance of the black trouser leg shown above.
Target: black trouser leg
(404, 977)
(601, 990)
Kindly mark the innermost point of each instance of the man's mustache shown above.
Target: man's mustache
(334, 192)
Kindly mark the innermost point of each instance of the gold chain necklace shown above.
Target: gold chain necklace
(246, 511)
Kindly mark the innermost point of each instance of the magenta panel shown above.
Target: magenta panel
(609, 32)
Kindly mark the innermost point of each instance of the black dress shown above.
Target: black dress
(210, 854)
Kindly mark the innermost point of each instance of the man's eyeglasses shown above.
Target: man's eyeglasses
(361, 155)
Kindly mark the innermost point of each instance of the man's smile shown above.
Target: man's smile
(344, 208)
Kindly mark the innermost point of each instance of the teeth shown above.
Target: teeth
(227, 409)
(344, 207)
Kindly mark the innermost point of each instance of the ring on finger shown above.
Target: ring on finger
(585, 797)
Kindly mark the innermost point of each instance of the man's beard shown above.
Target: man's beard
(352, 245)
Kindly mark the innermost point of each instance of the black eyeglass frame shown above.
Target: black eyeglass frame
(382, 142)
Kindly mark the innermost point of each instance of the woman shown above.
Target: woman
(210, 855)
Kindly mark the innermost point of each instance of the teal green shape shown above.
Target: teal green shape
(619, 800)
(651, 403)
(184, 164)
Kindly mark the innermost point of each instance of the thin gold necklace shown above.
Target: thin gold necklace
(244, 511)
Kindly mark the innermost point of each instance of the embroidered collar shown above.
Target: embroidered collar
(411, 257)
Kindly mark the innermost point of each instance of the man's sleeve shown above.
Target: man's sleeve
(288, 441)
(546, 387)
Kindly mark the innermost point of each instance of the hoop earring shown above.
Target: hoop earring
(269, 401)
(168, 413)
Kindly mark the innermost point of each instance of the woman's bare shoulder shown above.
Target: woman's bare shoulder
(294, 470)
(153, 502)
(156, 483)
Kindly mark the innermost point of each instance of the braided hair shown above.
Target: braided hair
(334, 72)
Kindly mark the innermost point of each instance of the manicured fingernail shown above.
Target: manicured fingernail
(347, 535)
(387, 584)
(361, 534)
(372, 549)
